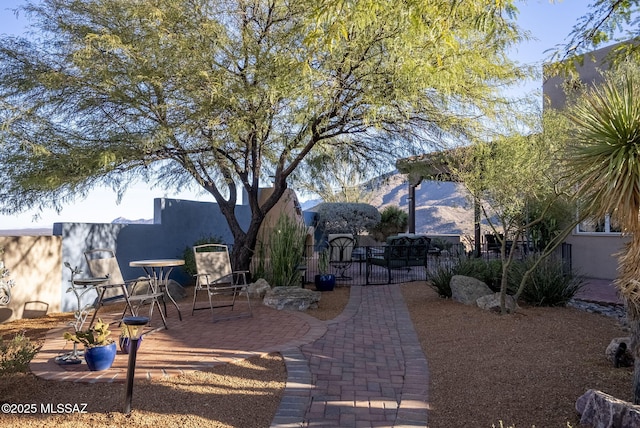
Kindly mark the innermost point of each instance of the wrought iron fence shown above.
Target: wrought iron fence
(367, 266)
(364, 267)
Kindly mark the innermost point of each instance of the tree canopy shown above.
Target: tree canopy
(519, 184)
(231, 94)
(607, 21)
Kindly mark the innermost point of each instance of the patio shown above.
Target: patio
(189, 345)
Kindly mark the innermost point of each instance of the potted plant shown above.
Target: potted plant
(99, 348)
(325, 281)
(125, 342)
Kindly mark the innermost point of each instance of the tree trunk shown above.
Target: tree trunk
(241, 254)
(244, 242)
(633, 317)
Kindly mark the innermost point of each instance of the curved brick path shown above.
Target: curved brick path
(368, 370)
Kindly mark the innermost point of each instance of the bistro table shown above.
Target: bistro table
(158, 271)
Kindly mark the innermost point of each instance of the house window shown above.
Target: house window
(603, 225)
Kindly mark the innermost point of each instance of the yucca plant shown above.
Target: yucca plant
(604, 162)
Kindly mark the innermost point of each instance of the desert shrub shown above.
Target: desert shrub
(441, 244)
(548, 284)
(554, 219)
(346, 217)
(440, 279)
(285, 247)
(487, 271)
(187, 254)
(393, 220)
(16, 354)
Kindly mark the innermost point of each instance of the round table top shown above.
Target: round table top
(157, 263)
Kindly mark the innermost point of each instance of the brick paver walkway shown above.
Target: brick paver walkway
(368, 370)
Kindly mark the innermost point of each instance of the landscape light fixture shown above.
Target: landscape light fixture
(134, 326)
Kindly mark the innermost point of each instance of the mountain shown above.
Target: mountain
(441, 207)
(37, 231)
(122, 220)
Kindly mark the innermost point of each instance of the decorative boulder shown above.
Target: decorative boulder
(176, 290)
(619, 353)
(491, 302)
(292, 298)
(258, 289)
(600, 410)
(468, 290)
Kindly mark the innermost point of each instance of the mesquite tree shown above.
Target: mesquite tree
(231, 94)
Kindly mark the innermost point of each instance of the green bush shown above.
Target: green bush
(548, 284)
(16, 354)
(487, 271)
(187, 254)
(441, 279)
(346, 217)
(441, 244)
(285, 247)
(393, 220)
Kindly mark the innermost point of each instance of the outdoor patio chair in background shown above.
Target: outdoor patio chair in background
(215, 276)
(340, 253)
(494, 243)
(132, 293)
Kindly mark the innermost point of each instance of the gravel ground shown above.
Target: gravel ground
(524, 369)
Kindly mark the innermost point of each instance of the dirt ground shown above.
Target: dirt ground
(524, 369)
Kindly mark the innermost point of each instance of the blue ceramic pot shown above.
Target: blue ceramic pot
(100, 357)
(125, 344)
(325, 282)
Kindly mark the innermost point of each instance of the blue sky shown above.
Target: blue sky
(549, 24)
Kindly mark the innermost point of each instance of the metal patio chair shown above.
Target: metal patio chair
(340, 253)
(132, 293)
(216, 278)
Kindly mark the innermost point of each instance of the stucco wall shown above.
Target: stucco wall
(178, 224)
(593, 255)
(35, 264)
(289, 205)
